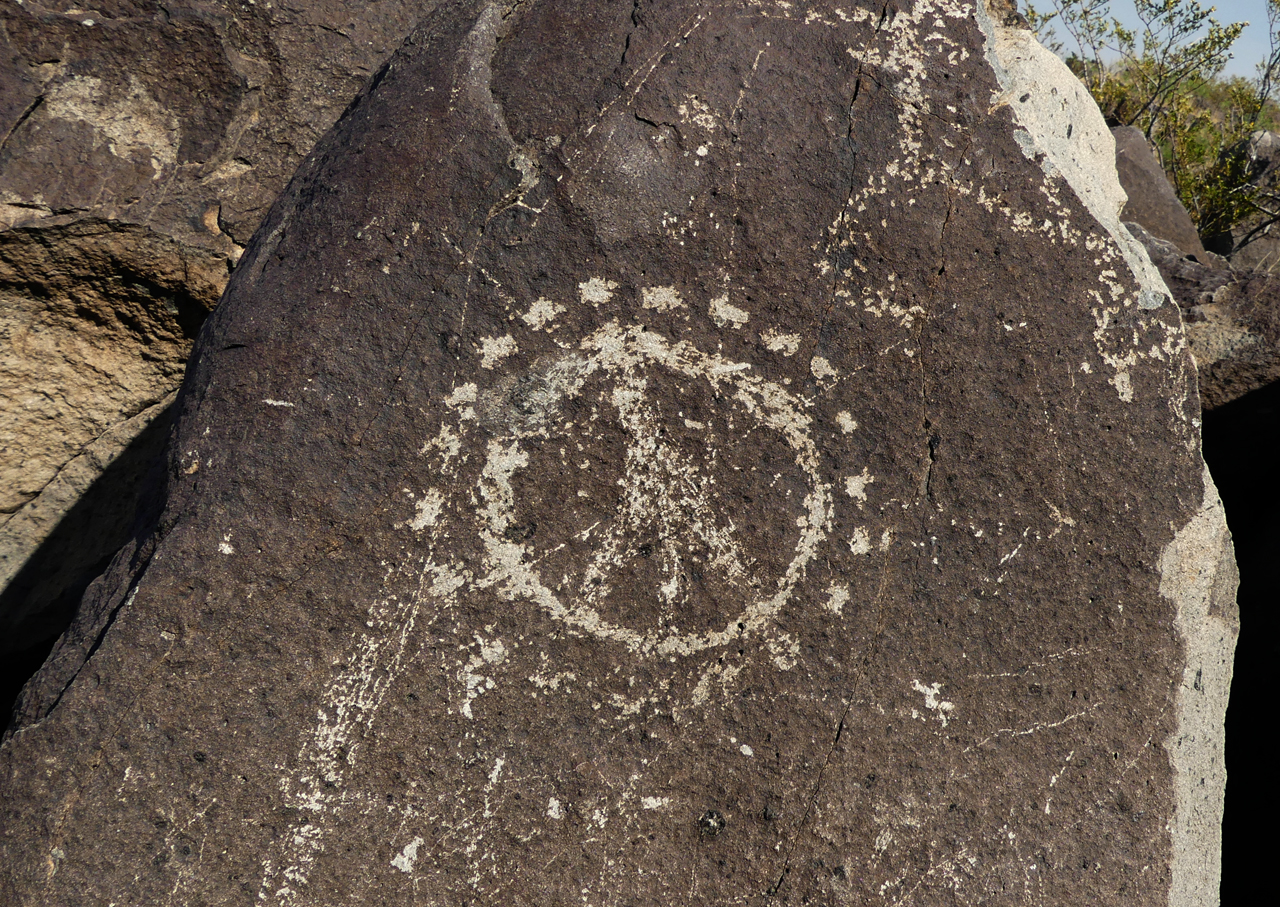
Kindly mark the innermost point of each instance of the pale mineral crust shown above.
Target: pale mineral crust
(663, 453)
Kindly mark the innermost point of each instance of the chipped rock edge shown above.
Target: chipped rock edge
(1198, 573)
(1063, 130)
(1197, 569)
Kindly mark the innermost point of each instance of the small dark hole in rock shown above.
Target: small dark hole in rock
(519, 533)
(711, 823)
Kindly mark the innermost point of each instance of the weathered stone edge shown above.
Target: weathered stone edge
(1197, 569)
(1198, 573)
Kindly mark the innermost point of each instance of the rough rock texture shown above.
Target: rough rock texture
(1153, 203)
(1232, 319)
(187, 116)
(96, 322)
(140, 144)
(665, 453)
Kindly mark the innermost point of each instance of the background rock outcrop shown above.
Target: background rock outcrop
(725, 453)
(140, 145)
(1152, 201)
(1232, 308)
(1232, 320)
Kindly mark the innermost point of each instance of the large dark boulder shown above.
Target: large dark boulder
(1152, 201)
(665, 453)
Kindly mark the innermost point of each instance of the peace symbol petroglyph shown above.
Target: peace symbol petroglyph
(662, 490)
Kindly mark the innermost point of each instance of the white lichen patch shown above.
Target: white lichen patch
(837, 597)
(846, 422)
(554, 809)
(716, 674)
(726, 315)
(941, 707)
(461, 395)
(822, 369)
(494, 349)
(856, 486)
(225, 546)
(542, 313)
(785, 649)
(882, 303)
(462, 399)
(661, 299)
(597, 290)
(476, 684)
(447, 444)
(654, 802)
(696, 111)
(777, 342)
(406, 858)
(428, 510)
(861, 541)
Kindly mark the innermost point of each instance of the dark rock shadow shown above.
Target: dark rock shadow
(40, 602)
(1240, 443)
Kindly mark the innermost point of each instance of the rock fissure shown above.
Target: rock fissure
(18, 123)
(635, 24)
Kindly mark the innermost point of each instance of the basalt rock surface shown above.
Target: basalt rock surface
(140, 145)
(1152, 201)
(662, 453)
(1232, 316)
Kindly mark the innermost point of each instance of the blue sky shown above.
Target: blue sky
(1250, 48)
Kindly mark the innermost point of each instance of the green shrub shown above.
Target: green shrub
(1164, 78)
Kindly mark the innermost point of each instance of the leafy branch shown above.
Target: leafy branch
(1164, 77)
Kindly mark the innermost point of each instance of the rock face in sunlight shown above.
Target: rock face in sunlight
(140, 146)
(666, 453)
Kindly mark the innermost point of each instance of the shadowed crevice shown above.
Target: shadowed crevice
(41, 601)
(1240, 442)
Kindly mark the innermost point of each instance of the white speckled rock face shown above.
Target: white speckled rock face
(1067, 129)
(656, 455)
